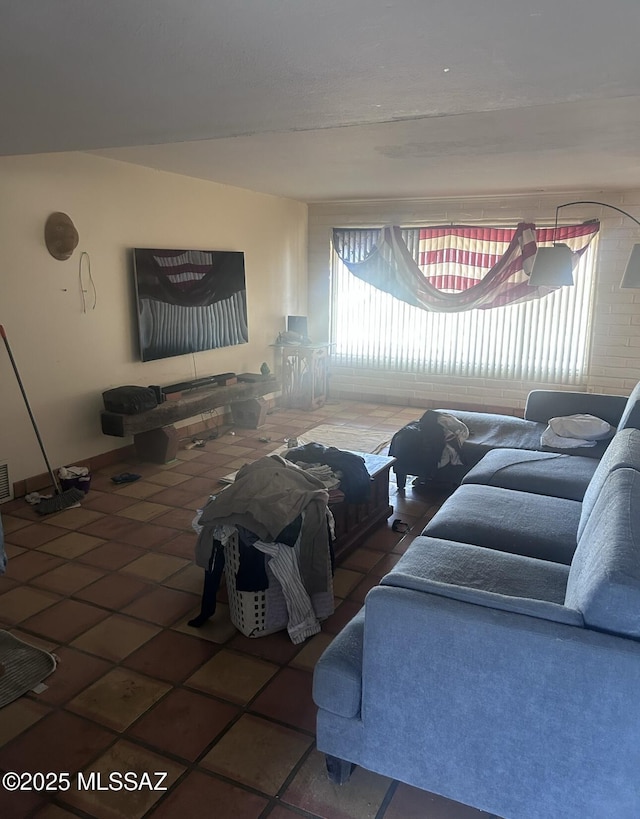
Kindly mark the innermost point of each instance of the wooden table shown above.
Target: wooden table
(355, 521)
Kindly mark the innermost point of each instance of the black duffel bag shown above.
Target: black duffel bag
(129, 400)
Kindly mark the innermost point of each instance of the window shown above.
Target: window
(545, 339)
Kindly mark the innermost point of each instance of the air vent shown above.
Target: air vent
(5, 487)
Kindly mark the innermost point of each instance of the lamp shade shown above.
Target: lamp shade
(631, 276)
(553, 266)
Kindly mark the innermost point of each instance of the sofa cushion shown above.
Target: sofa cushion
(604, 579)
(623, 451)
(544, 473)
(510, 521)
(485, 577)
(462, 564)
(337, 678)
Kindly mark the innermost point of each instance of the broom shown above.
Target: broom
(61, 500)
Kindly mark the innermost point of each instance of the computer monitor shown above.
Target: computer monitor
(297, 324)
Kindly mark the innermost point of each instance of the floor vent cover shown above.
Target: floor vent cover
(5, 487)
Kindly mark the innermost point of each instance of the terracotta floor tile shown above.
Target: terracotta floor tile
(219, 629)
(345, 612)
(146, 535)
(52, 811)
(385, 565)
(65, 620)
(71, 545)
(122, 804)
(13, 551)
(111, 555)
(178, 519)
(6, 583)
(232, 676)
(307, 658)
(107, 502)
(154, 566)
(189, 579)
(74, 671)
(168, 477)
(362, 589)
(199, 789)
(110, 527)
(118, 698)
(276, 648)
(362, 560)
(175, 496)
(344, 580)
(30, 564)
(35, 535)
(359, 798)
(144, 510)
(412, 803)
(73, 518)
(171, 656)
(114, 590)
(58, 742)
(18, 604)
(39, 642)
(199, 486)
(19, 804)
(140, 489)
(257, 753)
(115, 637)
(214, 458)
(287, 699)
(12, 524)
(184, 723)
(68, 578)
(19, 715)
(191, 468)
(282, 812)
(183, 545)
(162, 605)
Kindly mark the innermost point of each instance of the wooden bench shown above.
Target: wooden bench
(156, 439)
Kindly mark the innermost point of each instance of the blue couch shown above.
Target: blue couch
(507, 436)
(493, 677)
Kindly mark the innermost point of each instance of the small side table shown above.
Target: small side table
(304, 374)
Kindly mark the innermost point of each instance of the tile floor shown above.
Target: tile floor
(109, 587)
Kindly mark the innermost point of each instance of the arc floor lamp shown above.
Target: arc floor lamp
(554, 265)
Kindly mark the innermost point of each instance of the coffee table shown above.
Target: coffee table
(355, 521)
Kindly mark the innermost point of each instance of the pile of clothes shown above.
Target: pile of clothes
(280, 514)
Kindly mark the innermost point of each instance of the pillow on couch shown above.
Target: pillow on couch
(570, 431)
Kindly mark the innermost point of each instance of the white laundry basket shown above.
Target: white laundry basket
(255, 614)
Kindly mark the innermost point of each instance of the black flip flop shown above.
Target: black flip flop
(126, 477)
(400, 526)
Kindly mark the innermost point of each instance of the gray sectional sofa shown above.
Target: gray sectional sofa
(510, 435)
(498, 663)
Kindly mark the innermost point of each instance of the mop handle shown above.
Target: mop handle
(26, 403)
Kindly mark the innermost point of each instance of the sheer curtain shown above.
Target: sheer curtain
(541, 339)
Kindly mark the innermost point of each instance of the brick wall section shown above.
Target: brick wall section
(614, 365)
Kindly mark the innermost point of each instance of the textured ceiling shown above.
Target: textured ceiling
(333, 99)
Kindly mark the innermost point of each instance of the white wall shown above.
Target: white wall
(614, 365)
(66, 357)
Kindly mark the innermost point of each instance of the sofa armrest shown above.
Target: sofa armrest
(337, 678)
(545, 404)
(485, 577)
(460, 698)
